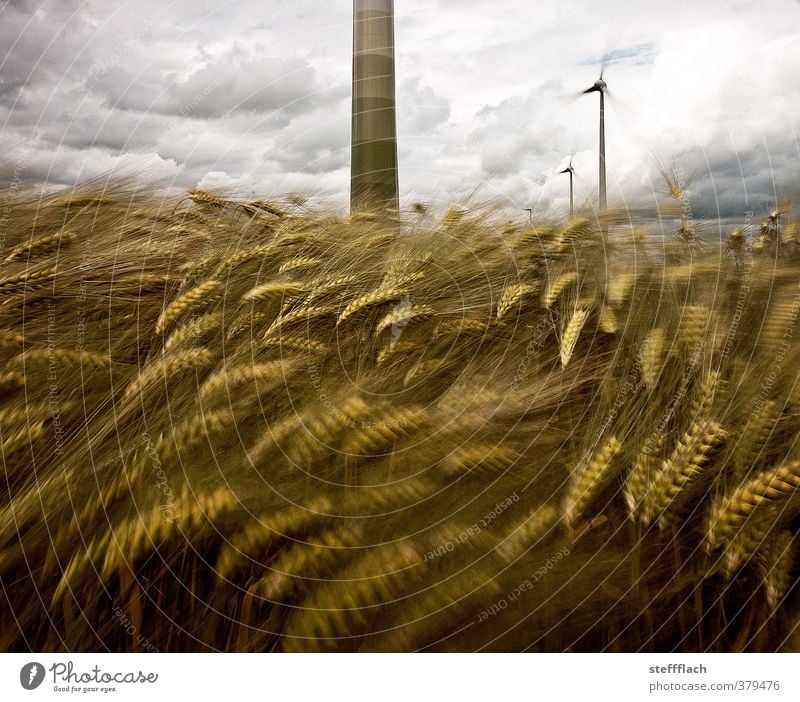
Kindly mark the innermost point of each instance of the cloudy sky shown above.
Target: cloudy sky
(253, 96)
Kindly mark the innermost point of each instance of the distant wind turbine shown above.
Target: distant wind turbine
(373, 174)
(601, 87)
(569, 169)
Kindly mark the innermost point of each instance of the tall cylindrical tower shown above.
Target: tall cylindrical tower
(373, 174)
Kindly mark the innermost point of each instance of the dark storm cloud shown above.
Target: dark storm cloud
(226, 86)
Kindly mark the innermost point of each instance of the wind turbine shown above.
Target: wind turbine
(601, 87)
(569, 169)
(373, 170)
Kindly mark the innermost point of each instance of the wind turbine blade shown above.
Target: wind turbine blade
(620, 103)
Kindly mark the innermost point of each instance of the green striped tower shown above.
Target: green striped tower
(373, 170)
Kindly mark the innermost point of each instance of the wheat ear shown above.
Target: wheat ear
(644, 470)
(168, 367)
(378, 296)
(481, 459)
(511, 296)
(652, 355)
(15, 283)
(225, 382)
(299, 263)
(681, 471)
(591, 480)
(38, 247)
(301, 314)
(554, 292)
(571, 334)
(775, 562)
(607, 321)
(403, 315)
(250, 545)
(770, 487)
(273, 292)
(529, 533)
(189, 300)
(194, 330)
(693, 326)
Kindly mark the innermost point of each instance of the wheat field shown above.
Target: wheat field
(245, 426)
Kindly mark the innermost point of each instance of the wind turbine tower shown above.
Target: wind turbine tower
(373, 174)
(601, 87)
(569, 169)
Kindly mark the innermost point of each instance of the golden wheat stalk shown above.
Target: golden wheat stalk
(693, 326)
(335, 608)
(299, 568)
(15, 283)
(42, 358)
(293, 342)
(268, 207)
(776, 560)
(246, 320)
(262, 252)
(732, 512)
(704, 394)
(38, 247)
(458, 327)
(554, 292)
(749, 450)
(681, 472)
(301, 314)
(572, 332)
(652, 357)
(20, 438)
(529, 533)
(642, 473)
(202, 294)
(203, 428)
(203, 197)
(9, 339)
(273, 292)
(480, 459)
(424, 370)
(576, 228)
(511, 296)
(384, 427)
(168, 367)
(591, 480)
(379, 296)
(749, 540)
(11, 381)
(327, 284)
(395, 350)
(780, 323)
(247, 547)
(607, 320)
(299, 263)
(139, 536)
(195, 330)
(619, 287)
(228, 381)
(403, 316)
